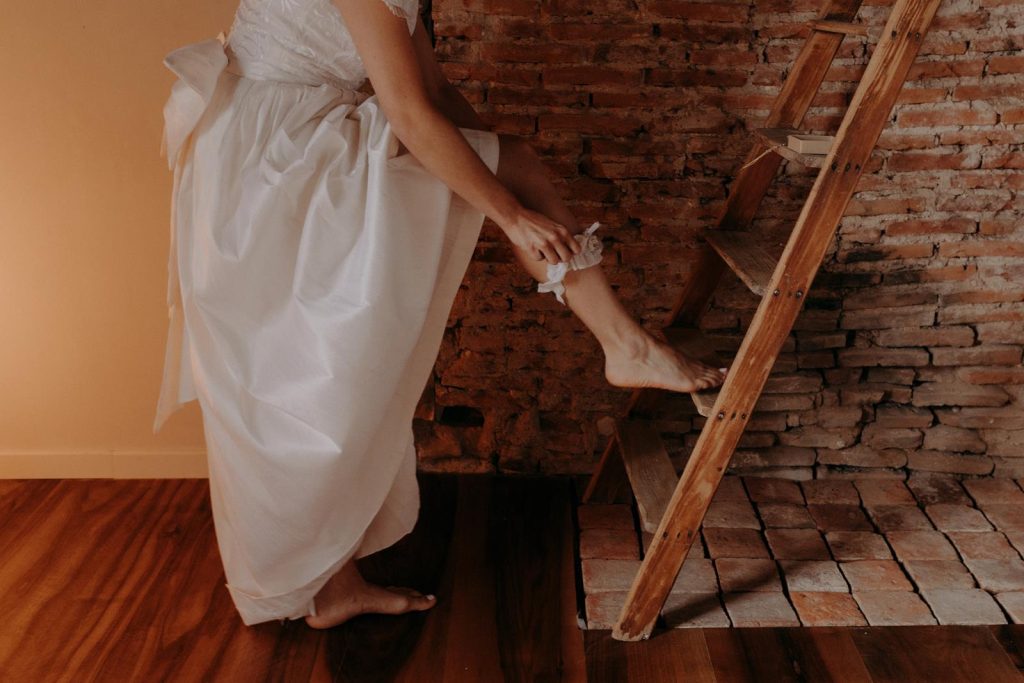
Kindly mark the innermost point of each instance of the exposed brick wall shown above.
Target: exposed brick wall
(907, 353)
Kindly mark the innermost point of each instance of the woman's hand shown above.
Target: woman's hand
(541, 237)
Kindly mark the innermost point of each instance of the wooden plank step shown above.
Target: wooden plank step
(776, 139)
(650, 471)
(742, 252)
(776, 387)
(845, 27)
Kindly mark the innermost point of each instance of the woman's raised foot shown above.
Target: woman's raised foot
(646, 362)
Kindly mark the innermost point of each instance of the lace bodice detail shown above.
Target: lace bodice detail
(301, 41)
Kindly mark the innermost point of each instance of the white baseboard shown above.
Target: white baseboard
(103, 464)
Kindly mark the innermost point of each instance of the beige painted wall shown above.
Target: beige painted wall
(84, 229)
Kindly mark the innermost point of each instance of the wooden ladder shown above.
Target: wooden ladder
(671, 506)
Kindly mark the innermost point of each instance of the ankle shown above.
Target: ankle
(633, 345)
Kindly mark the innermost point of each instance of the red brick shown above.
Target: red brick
(739, 575)
(936, 488)
(590, 75)
(982, 545)
(971, 606)
(609, 544)
(884, 492)
(770, 490)
(1005, 517)
(797, 544)
(759, 609)
(906, 416)
(813, 576)
(958, 394)
(952, 225)
(698, 11)
(858, 545)
(605, 516)
(830, 492)
(939, 574)
(875, 575)
(994, 491)
(946, 438)
(603, 609)
(730, 490)
(735, 543)
(696, 576)
(899, 518)
(920, 545)
(949, 116)
(1013, 603)
(827, 609)
(885, 608)
(953, 462)
(984, 354)
(785, 516)
(1016, 539)
(840, 517)
(878, 438)
(998, 575)
(694, 610)
(600, 575)
(731, 515)
(957, 518)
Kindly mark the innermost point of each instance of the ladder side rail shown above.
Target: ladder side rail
(773, 320)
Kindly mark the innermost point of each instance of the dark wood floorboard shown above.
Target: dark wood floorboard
(1011, 638)
(934, 653)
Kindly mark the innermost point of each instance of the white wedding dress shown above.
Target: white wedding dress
(312, 269)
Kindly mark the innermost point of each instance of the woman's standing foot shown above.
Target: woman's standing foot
(347, 594)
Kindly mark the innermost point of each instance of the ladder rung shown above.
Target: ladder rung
(742, 252)
(651, 473)
(776, 386)
(777, 139)
(844, 27)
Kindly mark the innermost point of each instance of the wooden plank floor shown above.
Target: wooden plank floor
(120, 580)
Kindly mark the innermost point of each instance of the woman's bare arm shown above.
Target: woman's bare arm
(445, 96)
(404, 92)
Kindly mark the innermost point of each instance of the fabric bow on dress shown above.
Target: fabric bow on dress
(198, 67)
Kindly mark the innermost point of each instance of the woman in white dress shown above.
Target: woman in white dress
(318, 237)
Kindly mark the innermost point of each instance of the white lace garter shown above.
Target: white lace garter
(590, 255)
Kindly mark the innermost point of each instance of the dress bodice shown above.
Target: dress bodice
(301, 41)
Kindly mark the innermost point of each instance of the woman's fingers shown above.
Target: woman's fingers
(562, 249)
(550, 255)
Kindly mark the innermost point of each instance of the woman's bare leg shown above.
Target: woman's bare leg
(633, 357)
